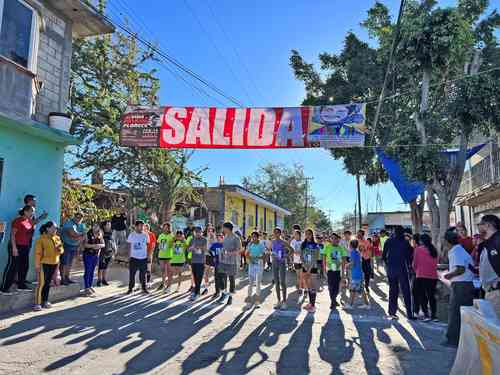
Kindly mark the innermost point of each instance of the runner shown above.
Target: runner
(255, 253)
(267, 258)
(335, 259)
(106, 254)
(211, 239)
(377, 251)
(198, 249)
(151, 250)
(138, 256)
(228, 265)
(297, 259)
(178, 260)
(356, 282)
(280, 251)
(165, 243)
(213, 260)
(321, 245)
(310, 256)
(366, 251)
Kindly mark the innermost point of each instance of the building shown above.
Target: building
(479, 192)
(35, 60)
(389, 220)
(245, 209)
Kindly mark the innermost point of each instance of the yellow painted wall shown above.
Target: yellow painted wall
(233, 209)
(250, 212)
(261, 218)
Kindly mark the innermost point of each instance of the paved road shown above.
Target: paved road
(118, 334)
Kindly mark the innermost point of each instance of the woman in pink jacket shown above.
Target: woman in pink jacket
(425, 261)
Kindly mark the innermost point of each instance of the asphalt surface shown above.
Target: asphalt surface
(167, 334)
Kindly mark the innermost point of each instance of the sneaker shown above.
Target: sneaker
(98, 283)
(300, 292)
(283, 306)
(205, 292)
(24, 288)
(105, 283)
(145, 291)
(230, 300)
(277, 306)
(92, 290)
(215, 295)
(47, 305)
(160, 287)
(348, 306)
(393, 317)
(192, 297)
(248, 306)
(222, 299)
(426, 320)
(166, 290)
(129, 292)
(37, 308)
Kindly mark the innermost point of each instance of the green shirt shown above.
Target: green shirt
(165, 245)
(179, 252)
(334, 255)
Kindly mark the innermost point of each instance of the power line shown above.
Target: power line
(216, 47)
(166, 56)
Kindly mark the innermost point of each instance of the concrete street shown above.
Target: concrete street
(158, 334)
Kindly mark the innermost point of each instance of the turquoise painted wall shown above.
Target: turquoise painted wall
(31, 166)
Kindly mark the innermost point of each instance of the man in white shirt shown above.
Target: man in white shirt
(462, 288)
(489, 266)
(138, 256)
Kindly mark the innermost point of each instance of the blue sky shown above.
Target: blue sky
(248, 58)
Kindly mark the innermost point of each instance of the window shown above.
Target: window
(18, 32)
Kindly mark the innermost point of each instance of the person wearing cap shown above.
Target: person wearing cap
(138, 256)
(73, 235)
(489, 263)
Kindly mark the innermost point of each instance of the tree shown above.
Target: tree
(108, 73)
(320, 220)
(284, 186)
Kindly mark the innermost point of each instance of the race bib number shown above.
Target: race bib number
(163, 245)
(137, 245)
(178, 250)
(197, 251)
(308, 258)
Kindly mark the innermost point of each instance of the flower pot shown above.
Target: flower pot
(60, 121)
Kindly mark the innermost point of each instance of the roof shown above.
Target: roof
(86, 21)
(39, 130)
(254, 196)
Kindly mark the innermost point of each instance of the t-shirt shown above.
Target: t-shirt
(424, 265)
(255, 252)
(139, 245)
(467, 243)
(110, 245)
(310, 254)
(151, 243)
(25, 228)
(279, 251)
(295, 244)
(198, 248)
(70, 224)
(214, 253)
(458, 256)
(356, 270)
(119, 222)
(334, 255)
(231, 243)
(490, 261)
(365, 248)
(165, 245)
(179, 252)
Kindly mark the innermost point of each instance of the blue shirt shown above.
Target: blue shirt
(70, 224)
(279, 250)
(356, 270)
(214, 252)
(256, 250)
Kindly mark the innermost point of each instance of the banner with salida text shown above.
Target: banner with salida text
(327, 126)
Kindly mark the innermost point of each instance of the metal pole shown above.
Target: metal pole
(306, 203)
(360, 219)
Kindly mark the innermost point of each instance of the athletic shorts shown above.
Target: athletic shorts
(297, 266)
(68, 255)
(356, 286)
(104, 263)
(180, 265)
(313, 271)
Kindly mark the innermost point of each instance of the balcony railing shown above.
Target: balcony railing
(487, 171)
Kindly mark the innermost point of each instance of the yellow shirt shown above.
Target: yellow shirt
(48, 249)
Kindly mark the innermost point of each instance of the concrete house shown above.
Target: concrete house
(35, 56)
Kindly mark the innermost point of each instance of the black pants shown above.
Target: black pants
(217, 280)
(45, 278)
(223, 282)
(16, 265)
(198, 270)
(333, 285)
(425, 294)
(462, 294)
(135, 265)
(366, 266)
(396, 282)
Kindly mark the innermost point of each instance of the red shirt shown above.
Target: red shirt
(467, 243)
(424, 264)
(152, 242)
(24, 230)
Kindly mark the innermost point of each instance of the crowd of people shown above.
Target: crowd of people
(314, 260)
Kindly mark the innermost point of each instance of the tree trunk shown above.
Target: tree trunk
(433, 207)
(417, 213)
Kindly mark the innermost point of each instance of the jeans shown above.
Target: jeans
(254, 276)
(279, 274)
(198, 269)
(135, 265)
(333, 285)
(44, 279)
(89, 263)
(462, 294)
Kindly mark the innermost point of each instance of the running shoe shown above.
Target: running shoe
(277, 306)
(105, 283)
(47, 305)
(37, 308)
(145, 291)
(166, 290)
(248, 306)
(230, 300)
(160, 287)
(205, 291)
(222, 299)
(129, 291)
(98, 283)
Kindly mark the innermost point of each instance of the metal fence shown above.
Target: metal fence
(485, 172)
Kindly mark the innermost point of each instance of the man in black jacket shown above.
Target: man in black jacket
(397, 257)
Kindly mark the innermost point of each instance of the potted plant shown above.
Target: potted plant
(60, 121)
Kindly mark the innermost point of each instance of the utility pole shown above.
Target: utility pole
(360, 219)
(306, 203)
(355, 218)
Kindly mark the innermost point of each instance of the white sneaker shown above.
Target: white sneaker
(166, 290)
(47, 305)
(37, 308)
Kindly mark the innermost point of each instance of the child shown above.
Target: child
(138, 256)
(356, 274)
(178, 257)
(213, 260)
(280, 251)
(151, 250)
(165, 250)
(106, 254)
(310, 255)
(48, 249)
(93, 245)
(296, 243)
(255, 254)
(198, 249)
